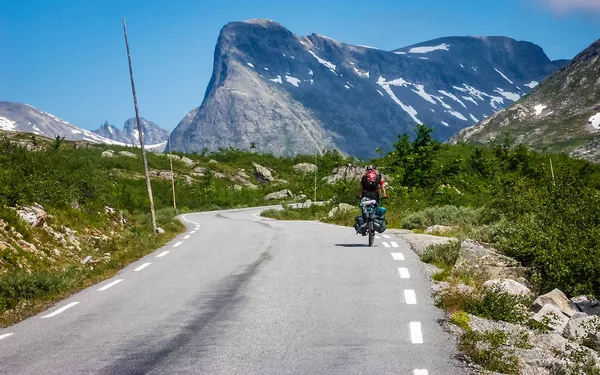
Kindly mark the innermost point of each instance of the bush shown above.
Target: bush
(445, 215)
(490, 350)
(461, 319)
(444, 255)
(497, 304)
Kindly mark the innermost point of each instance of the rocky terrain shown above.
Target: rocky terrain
(290, 94)
(562, 114)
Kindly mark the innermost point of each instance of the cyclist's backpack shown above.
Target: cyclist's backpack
(371, 180)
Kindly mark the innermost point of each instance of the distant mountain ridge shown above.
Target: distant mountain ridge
(292, 94)
(153, 134)
(562, 114)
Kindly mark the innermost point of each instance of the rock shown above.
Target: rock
(167, 175)
(509, 285)
(159, 230)
(443, 286)
(557, 320)
(582, 326)
(201, 170)
(341, 209)
(213, 161)
(237, 187)
(34, 215)
(56, 252)
(128, 154)
(349, 172)
(174, 157)
(301, 197)
(487, 264)
(263, 175)
(187, 161)
(559, 300)
(281, 181)
(108, 154)
(282, 194)
(590, 307)
(440, 229)
(305, 168)
(4, 245)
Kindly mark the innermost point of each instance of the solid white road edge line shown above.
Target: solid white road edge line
(394, 244)
(60, 310)
(398, 256)
(177, 244)
(189, 221)
(420, 372)
(415, 333)
(386, 244)
(5, 335)
(186, 237)
(109, 285)
(404, 273)
(142, 267)
(410, 297)
(163, 254)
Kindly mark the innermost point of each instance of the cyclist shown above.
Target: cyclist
(370, 183)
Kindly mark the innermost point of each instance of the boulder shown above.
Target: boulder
(237, 187)
(263, 174)
(108, 154)
(305, 168)
(212, 161)
(440, 229)
(282, 194)
(301, 197)
(508, 285)
(590, 307)
(341, 209)
(174, 157)
(159, 230)
(557, 320)
(487, 264)
(242, 174)
(160, 174)
(557, 299)
(349, 172)
(201, 170)
(34, 215)
(128, 154)
(187, 161)
(582, 326)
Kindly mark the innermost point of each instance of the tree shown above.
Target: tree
(57, 142)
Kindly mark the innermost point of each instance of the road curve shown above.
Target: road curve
(241, 294)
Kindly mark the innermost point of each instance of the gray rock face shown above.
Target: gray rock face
(556, 319)
(282, 194)
(508, 285)
(485, 263)
(33, 215)
(440, 229)
(263, 174)
(290, 94)
(556, 298)
(582, 326)
(305, 168)
(153, 134)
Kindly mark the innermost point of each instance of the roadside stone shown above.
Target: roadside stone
(440, 229)
(508, 285)
(128, 154)
(282, 194)
(590, 307)
(159, 230)
(108, 154)
(582, 326)
(305, 168)
(34, 215)
(487, 264)
(187, 161)
(262, 174)
(341, 209)
(558, 299)
(557, 320)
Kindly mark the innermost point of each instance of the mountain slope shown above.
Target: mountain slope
(289, 94)
(562, 114)
(153, 134)
(25, 118)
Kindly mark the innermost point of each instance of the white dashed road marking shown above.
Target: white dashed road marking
(5, 335)
(398, 256)
(386, 244)
(415, 333)
(410, 297)
(186, 237)
(377, 237)
(420, 372)
(60, 310)
(394, 244)
(109, 285)
(386, 236)
(177, 244)
(404, 273)
(163, 254)
(142, 267)
(192, 232)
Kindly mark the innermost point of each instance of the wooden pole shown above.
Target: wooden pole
(172, 174)
(141, 134)
(552, 169)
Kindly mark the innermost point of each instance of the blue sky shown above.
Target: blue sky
(67, 57)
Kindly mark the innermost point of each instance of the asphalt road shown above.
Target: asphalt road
(240, 294)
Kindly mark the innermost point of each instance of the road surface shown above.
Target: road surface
(241, 294)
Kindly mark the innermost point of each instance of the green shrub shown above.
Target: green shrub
(461, 319)
(490, 349)
(443, 254)
(497, 304)
(445, 215)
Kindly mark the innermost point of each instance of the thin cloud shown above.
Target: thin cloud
(565, 6)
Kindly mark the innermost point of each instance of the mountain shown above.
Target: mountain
(291, 94)
(153, 134)
(27, 119)
(562, 114)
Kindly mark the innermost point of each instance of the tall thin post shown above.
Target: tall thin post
(316, 154)
(172, 174)
(141, 134)
(552, 169)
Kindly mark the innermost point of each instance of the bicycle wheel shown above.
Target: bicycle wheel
(371, 233)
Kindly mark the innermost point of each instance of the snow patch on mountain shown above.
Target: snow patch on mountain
(398, 82)
(277, 80)
(293, 80)
(8, 125)
(250, 65)
(442, 46)
(458, 115)
(503, 76)
(508, 95)
(453, 97)
(532, 84)
(595, 121)
(324, 62)
(539, 109)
